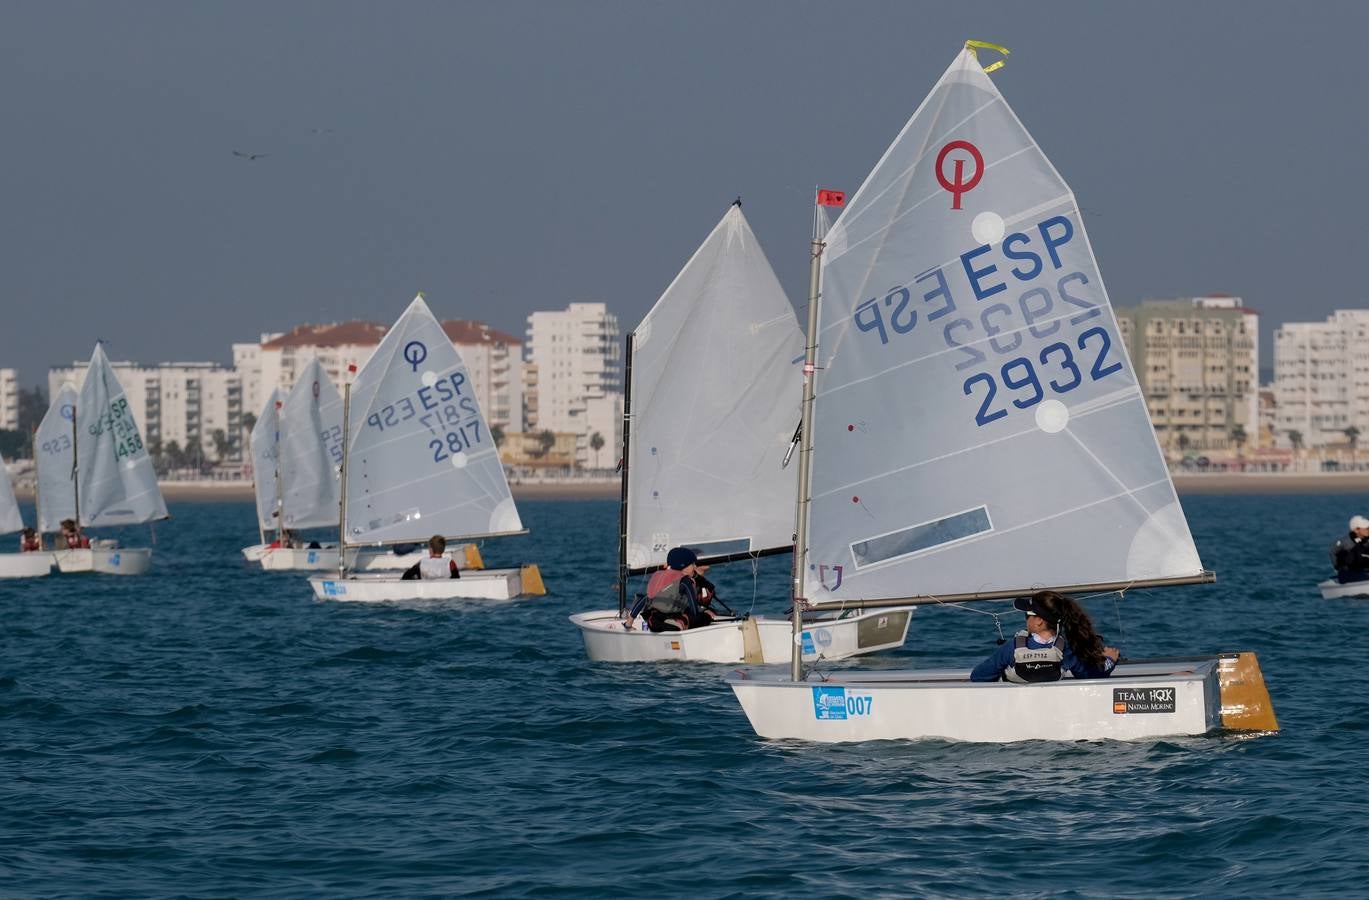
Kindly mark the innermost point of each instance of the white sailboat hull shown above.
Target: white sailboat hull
(107, 560)
(1331, 589)
(255, 552)
(1142, 700)
(364, 559)
(481, 584)
(606, 640)
(25, 565)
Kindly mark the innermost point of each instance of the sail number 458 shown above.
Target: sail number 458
(1063, 374)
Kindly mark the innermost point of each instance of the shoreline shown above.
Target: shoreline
(1184, 482)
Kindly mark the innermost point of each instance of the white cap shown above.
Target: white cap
(1359, 522)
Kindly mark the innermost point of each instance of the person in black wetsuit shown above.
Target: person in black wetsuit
(1350, 554)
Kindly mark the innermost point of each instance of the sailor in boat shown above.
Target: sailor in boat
(1350, 554)
(435, 566)
(71, 536)
(1059, 638)
(29, 542)
(672, 594)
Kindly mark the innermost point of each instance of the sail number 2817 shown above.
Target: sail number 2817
(1062, 370)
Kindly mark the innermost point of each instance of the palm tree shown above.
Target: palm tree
(221, 446)
(497, 435)
(596, 443)
(1352, 435)
(545, 441)
(1238, 438)
(1295, 438)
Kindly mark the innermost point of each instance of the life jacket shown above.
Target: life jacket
(1031, 665)
(29, 544)
(435, 567)
(666, 595)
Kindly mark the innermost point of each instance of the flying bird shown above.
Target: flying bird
(239, 153)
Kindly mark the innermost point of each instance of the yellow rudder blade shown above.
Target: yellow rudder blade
(473, 558)
(532, 580)
(1245, 700)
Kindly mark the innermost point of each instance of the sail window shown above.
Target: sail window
(936, 533)
(712, 549)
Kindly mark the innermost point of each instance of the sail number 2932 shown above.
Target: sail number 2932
(1062, 366)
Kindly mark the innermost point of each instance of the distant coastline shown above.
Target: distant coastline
(602, 489)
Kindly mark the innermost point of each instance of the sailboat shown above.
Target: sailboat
(705, 427)
(94, 468)
(973, 430)
(264, 447)
(309, 457)
(418, 460)
(17, 565)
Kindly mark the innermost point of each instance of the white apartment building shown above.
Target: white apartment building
(9, 400)
(493, 359)
(1197, 363)
(578, 359)
(184, 402)
(1321, 379)
(604, 417)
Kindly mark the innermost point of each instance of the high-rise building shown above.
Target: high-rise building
(1197, 361)
(197, 405)
(1321, 379)
(578, 359)
(9, 400)
(493, 359)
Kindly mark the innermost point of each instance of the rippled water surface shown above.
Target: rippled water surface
(210, 729)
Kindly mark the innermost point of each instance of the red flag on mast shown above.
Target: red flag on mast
(831, 198)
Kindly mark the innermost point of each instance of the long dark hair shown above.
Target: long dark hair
(1076, 625)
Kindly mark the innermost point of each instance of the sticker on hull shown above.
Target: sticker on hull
(1143, 700)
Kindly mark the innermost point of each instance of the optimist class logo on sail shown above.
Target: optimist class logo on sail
(1021, 313)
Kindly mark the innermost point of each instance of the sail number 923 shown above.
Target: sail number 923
(1061, 368)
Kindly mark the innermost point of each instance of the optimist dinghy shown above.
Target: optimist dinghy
(973, 430)
(17, 565)
(1331, 589)
(705, 428)
(264, 446)
(418, 460)
(93, 467)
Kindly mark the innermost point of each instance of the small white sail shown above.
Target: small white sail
(117, 483)
(265, 449)
(420, 458)
(978, 426)
(10, 519)
(56, 459)
(311, 450)
(715, 400)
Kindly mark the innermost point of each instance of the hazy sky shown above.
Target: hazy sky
(506, 156)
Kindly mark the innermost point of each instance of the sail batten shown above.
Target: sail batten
(976, 418)
(714, 390)
(420, 457)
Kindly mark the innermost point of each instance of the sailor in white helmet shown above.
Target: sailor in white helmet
(1350, 554)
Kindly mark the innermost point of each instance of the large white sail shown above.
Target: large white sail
(978, 426)
(56, 459)
(117, 483)
(10, 520)
(420, 458)
(265, 449)
(311, 450)
(715, 399)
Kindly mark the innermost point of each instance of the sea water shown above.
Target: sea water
(211, 729)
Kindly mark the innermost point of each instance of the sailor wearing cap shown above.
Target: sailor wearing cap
(1055, 625)
(672, 600)
(1350, 554)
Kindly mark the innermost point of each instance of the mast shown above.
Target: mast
(342, 505)
(623, 572)
(76, 465)
(280, 498)
(37, 486)
(810, 355)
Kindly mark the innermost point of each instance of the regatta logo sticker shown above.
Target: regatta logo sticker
(1142, 700)
(828, 702)
(808, 648)
(313, 557)
(334, 588)
(958, 185)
